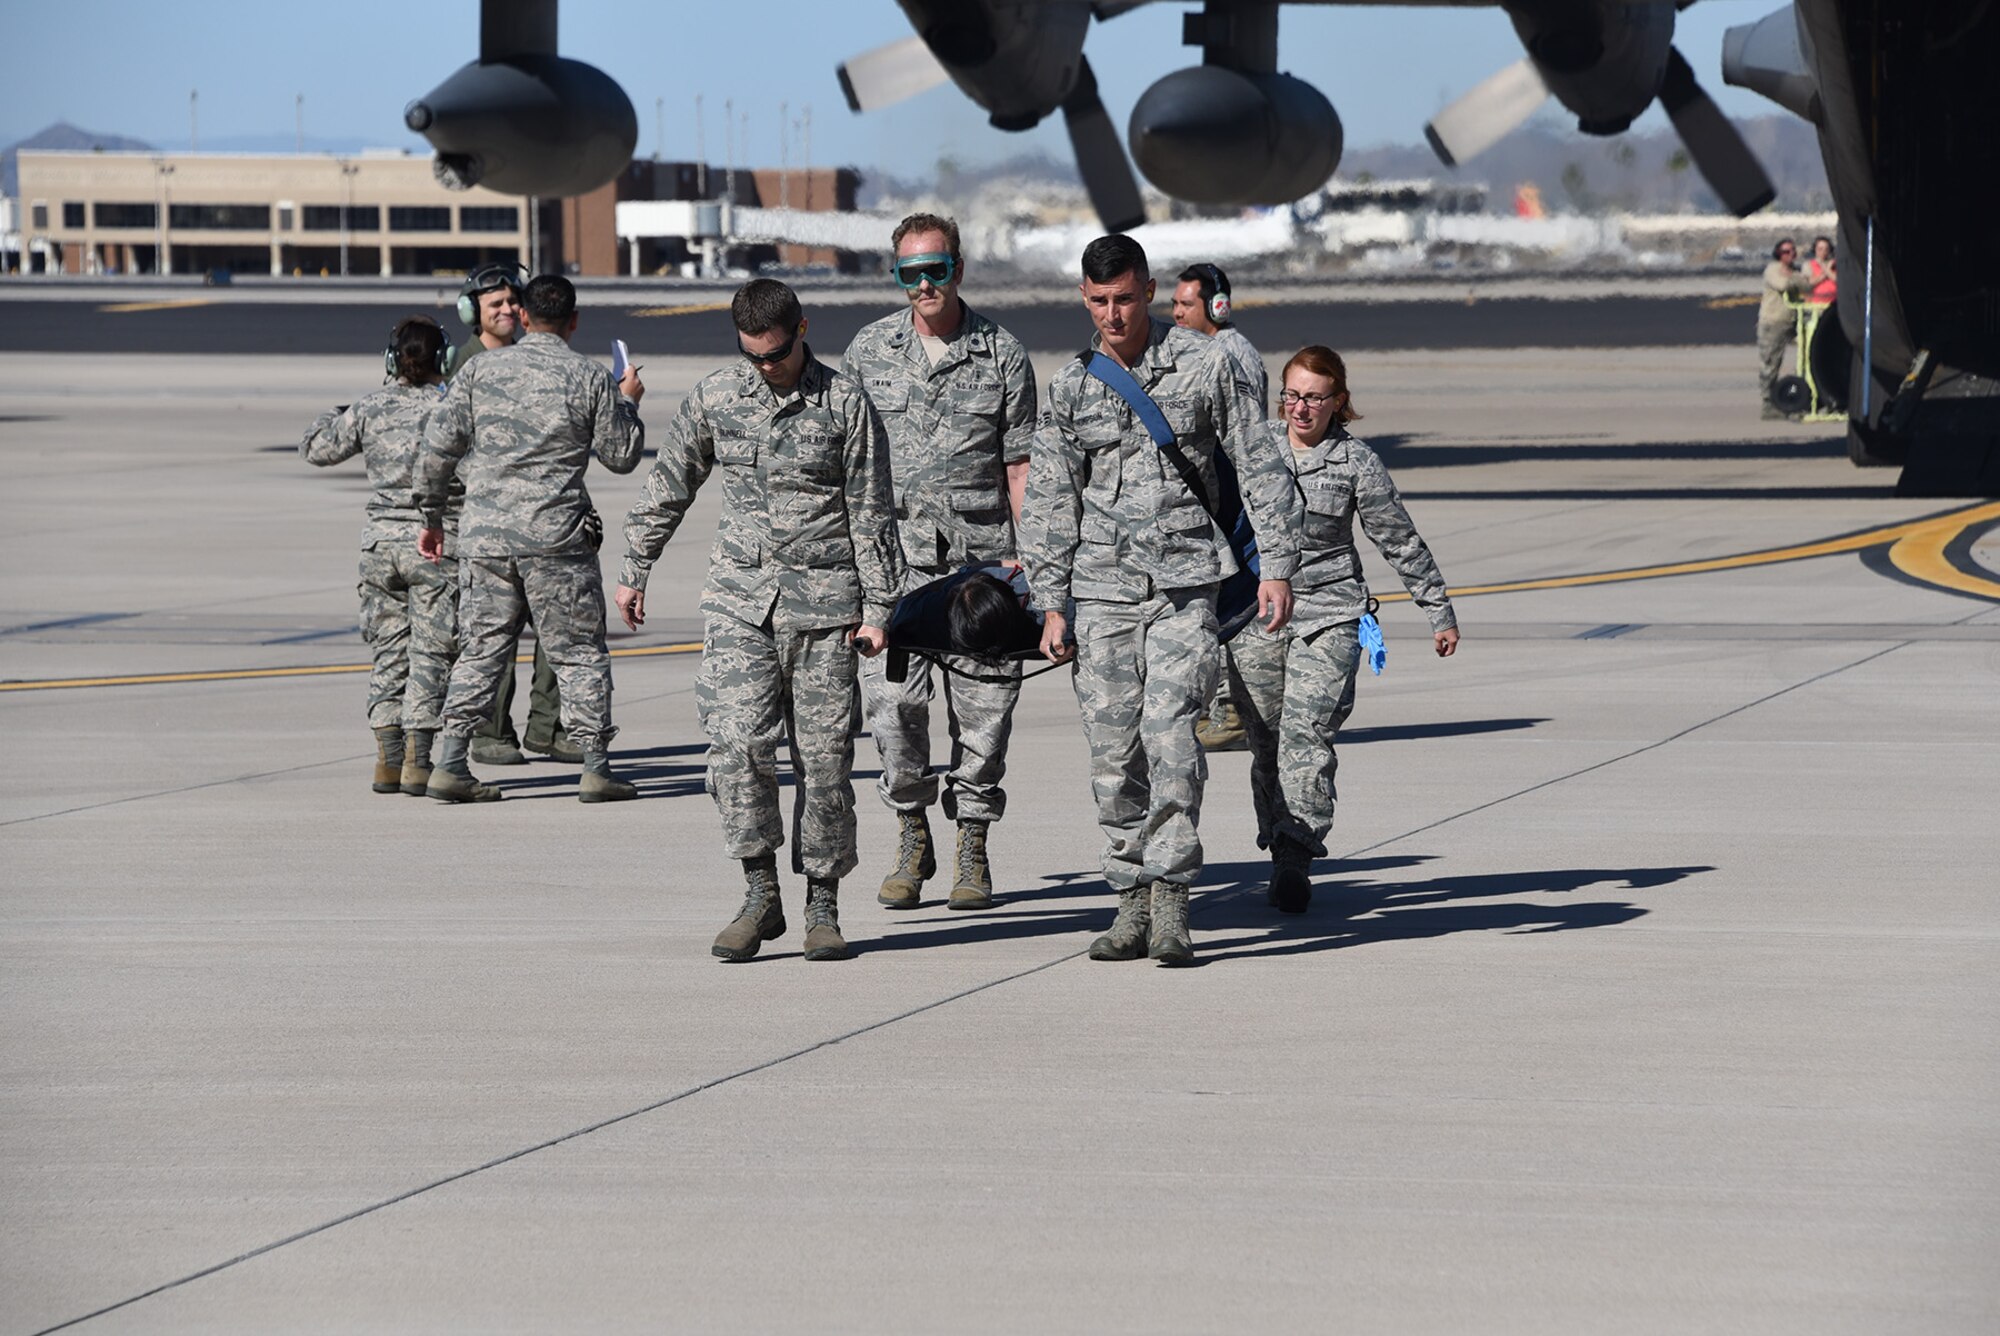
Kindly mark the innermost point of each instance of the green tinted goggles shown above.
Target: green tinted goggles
(913, 271)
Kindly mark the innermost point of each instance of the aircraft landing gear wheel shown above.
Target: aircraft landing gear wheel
(1791, 394)
(1871, 448)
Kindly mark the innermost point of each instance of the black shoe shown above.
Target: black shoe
(1291, 878)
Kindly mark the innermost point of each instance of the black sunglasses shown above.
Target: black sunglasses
(775, 356)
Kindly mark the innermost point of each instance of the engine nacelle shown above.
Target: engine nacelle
(1603, 59)
(1219, 136)
(1017, 58)
(527, 125)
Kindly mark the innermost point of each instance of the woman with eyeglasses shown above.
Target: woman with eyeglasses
(1297, 683)
(409, 606)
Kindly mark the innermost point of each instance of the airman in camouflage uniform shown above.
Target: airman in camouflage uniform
(805, 570)
(957, 397)
(520, 426)
(1297, 683)
(1202, 304)
(409, 606)
(1110, 523)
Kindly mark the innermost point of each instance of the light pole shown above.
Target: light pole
(163, 263)
(347, 171)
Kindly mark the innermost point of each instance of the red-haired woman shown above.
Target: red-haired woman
(1297, 684)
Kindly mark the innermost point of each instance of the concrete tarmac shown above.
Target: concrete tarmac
(1649, 988)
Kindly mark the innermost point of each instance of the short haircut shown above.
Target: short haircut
(1777, 246)
(926, 222)
(550, 300)
(1108, 257)
(1212, 279)
(1827, 240)
(765, 304)
(1320, 360)
(419, 346)
(983, 617)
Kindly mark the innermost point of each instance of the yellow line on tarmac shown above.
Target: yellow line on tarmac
(249, 674)
(1940, 529)
(1727, 303)
(678, 310)
(124, 308)
(1916, 547)
(1920, 555)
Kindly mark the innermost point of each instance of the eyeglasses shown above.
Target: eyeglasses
(1313, 401)
(913, 271)
(1787, 250)
(776, 355)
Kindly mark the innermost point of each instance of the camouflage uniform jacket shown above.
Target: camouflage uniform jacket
(1779, 284)
(387, 427)
(1107, 515)
(953, 428)
(1342, 480)
(807, 536)
(1249, 364)
(521, 424)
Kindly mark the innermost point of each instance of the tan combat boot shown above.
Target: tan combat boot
(416, 776)
(1169, 940)
(1130, 931)
(762, 918)
(1223, 729)
(598, 784)
(823, 939)
(916, 860)
(388, 760)
(972, 888)
(452, 780)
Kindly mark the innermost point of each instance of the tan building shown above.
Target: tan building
(366, 213)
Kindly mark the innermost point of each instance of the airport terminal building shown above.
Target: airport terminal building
(181, 213)
(370, 213)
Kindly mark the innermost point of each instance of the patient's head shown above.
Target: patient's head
(984, 615)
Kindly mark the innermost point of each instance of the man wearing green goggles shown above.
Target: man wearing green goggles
(935, 268)
(957, 397)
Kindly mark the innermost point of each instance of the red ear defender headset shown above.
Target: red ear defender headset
(1214, 293)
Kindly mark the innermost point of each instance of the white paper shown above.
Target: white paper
(620, 358)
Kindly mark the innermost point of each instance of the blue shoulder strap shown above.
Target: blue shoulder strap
(1127, 388)
(1237, 599)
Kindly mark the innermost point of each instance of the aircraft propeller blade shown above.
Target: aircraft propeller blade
(1491, 109)
(1719, 153)
(1100, 156)
(889, 74)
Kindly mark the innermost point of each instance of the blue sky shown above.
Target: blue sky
(126, 67)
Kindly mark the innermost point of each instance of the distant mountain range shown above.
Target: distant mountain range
(62, 137)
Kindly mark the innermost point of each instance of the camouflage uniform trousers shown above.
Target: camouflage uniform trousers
(409, 616)
(980, 716)
(759, 688)
(1144, 673)
(565, 595)
(1296, 691)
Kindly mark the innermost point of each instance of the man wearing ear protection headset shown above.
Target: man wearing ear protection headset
(957, 397)
(489, 303)
(1201, 303)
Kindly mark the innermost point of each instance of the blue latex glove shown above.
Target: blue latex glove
(1371, 642)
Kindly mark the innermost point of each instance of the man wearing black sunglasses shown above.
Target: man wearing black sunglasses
(957, 397)
(804, 573)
